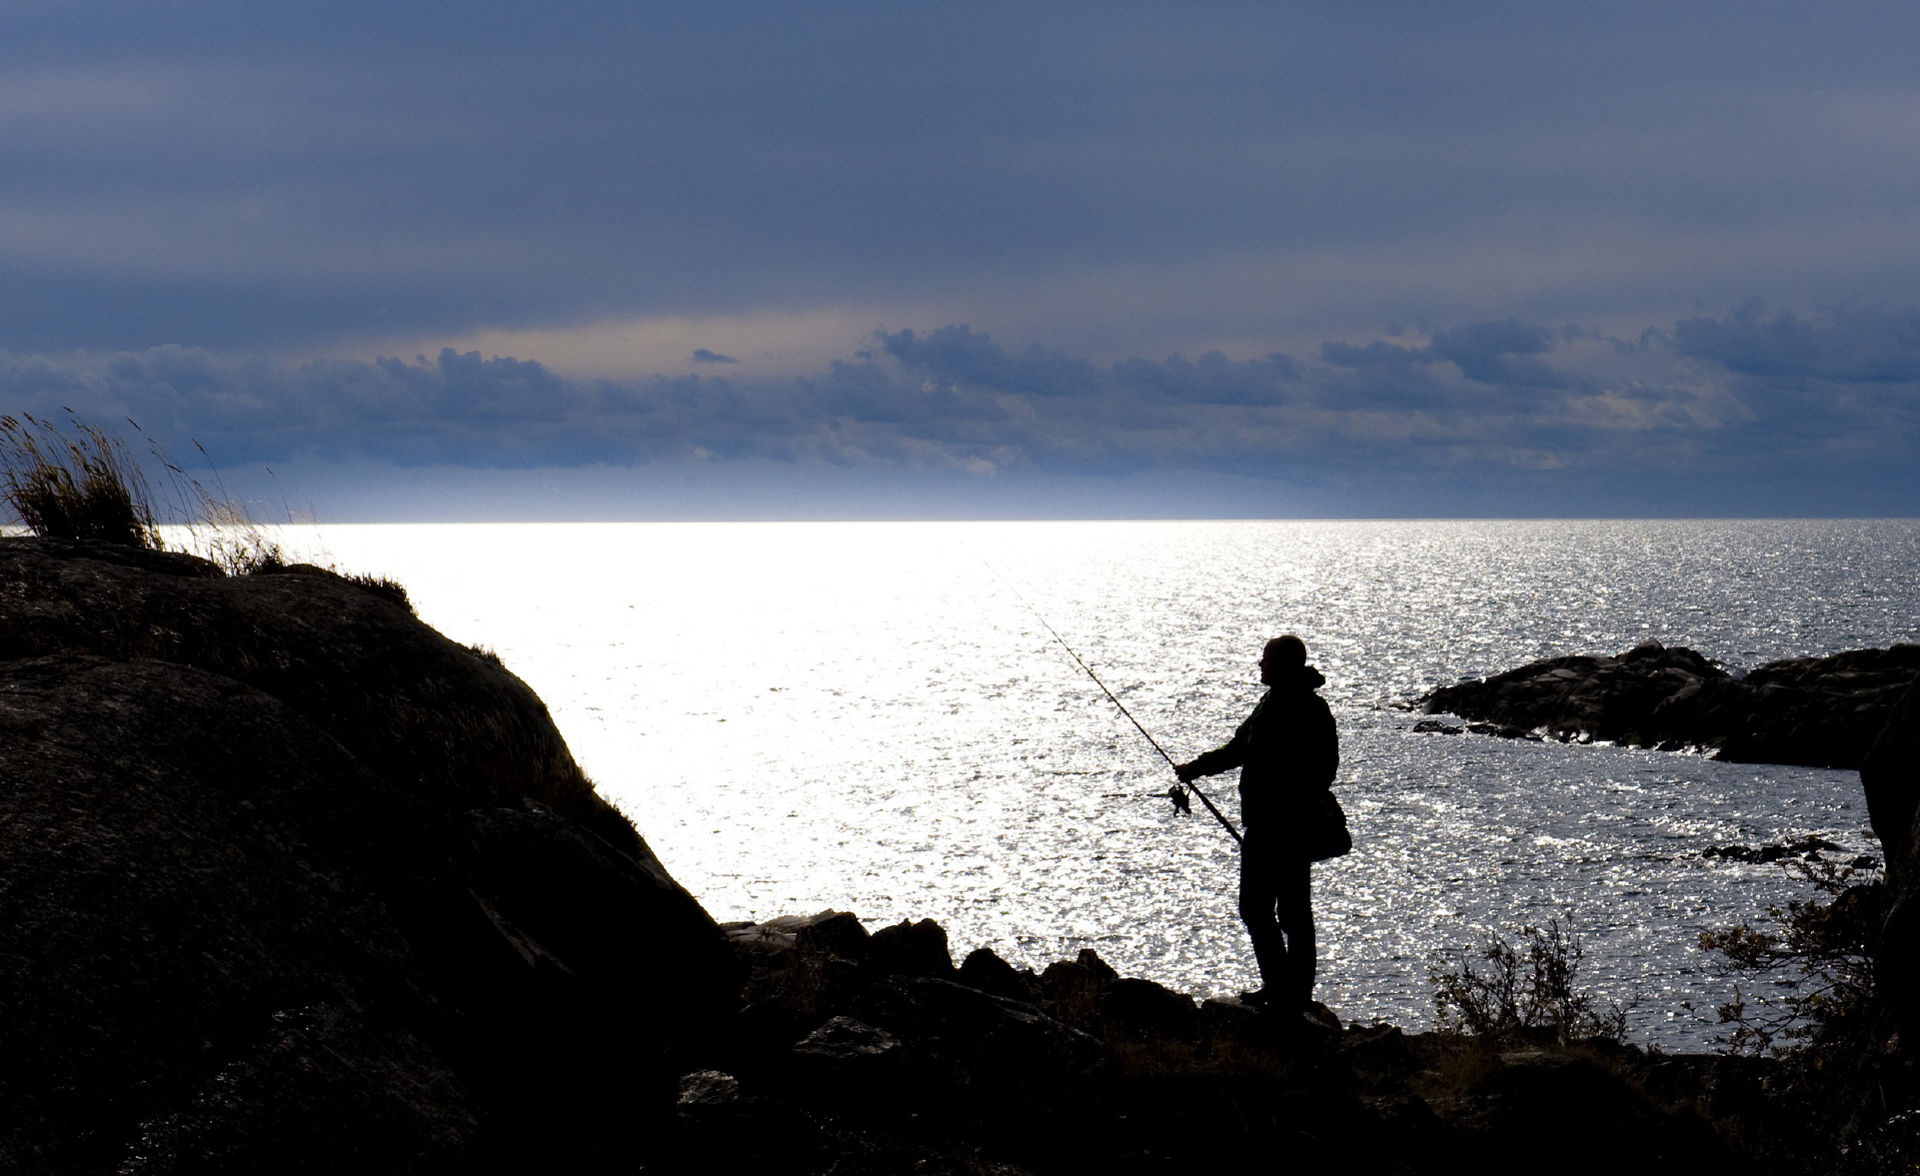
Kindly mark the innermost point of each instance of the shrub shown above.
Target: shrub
(1817, 1009)
(74, 483)
(382, 586)
(1814, 961)
(1517, 991)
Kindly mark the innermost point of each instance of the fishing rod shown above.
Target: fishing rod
(1192, 787)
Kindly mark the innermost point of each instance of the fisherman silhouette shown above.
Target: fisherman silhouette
(1287, 751)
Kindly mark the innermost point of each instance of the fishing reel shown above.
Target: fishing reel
(1178, 795)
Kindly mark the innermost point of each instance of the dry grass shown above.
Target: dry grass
(75, 482)
(219, 526)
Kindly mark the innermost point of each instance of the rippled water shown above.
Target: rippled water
(868, 717)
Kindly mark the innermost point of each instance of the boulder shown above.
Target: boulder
(1074, 990)
(290, 882)
(985, 1051)
(799, 967)
(912, 949)
(1142, 1010)
(986, 971)
(846, 1060)
(1542, 1100)
(837, 933)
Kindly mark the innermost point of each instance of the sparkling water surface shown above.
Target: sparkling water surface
(874, 717)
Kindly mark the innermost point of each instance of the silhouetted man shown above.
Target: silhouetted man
(1287, 752)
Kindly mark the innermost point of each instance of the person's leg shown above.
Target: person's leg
(1259, 894)
(1294, 911)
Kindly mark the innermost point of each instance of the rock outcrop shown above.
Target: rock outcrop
(852, 1056)
(1891, 777)
(289, 882)
(1816, 711)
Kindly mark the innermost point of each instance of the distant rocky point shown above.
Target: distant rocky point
(1813, 711)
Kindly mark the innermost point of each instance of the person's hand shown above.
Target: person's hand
(1185, 772)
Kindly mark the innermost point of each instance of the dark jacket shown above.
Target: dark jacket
(1287, 753)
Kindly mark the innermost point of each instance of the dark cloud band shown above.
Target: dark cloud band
(1836, 400)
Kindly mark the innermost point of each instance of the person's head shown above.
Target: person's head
(1281, 657)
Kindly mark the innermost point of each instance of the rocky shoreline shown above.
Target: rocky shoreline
(874, 1053)
(289, 882)
(1813, 711)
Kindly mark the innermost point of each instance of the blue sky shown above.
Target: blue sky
(627, 260)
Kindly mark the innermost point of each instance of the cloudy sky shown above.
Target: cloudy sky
(713, 260)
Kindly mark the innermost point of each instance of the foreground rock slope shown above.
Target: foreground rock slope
(290, 882)
(1816, 711)
(858, 1053)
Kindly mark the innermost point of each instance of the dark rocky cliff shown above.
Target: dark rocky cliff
(290, 882)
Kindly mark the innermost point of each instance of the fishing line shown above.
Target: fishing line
(1224, 823)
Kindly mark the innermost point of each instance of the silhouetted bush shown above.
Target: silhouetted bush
(386, 587)
(1808, 994)
(1813, 963)
(1525, 989)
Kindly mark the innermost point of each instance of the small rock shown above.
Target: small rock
(912, 949)
(1073, 989)
(1142, 1009)
(987, 972)
(845, 1040)
(708, 1089)
(836, 933)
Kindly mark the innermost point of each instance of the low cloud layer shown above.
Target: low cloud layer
(1751, 411)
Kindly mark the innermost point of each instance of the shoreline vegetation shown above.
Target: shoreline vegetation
(290, 882)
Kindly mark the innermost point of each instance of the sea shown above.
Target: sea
(893, 719)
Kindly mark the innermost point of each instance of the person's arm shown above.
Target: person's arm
(1232, 754)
